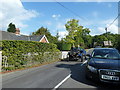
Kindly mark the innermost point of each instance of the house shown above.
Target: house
(103, 43)
(18, 36)
(107, 43)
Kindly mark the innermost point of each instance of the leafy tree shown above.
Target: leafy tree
(11, 28)
(99, 39)
(72, 27)
(42, 31)
(117, 41)
(45, 31)
(77, 34)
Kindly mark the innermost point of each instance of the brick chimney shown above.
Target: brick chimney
(17, 31)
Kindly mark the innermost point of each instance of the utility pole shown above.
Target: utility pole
(107, 34)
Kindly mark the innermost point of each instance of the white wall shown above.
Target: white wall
(64, 54)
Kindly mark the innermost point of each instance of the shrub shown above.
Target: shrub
(64, 46)
(20, 54)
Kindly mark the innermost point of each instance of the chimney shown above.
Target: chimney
(17, 31)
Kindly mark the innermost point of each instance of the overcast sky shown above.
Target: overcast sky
(30, 16)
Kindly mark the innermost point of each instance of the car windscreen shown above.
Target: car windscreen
(106, 54)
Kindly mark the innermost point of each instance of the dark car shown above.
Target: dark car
(76, 54)
(103, 65)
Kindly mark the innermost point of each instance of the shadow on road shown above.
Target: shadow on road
(78, 74)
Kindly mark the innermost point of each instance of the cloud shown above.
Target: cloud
(56, 17)
(48, 23)
(62, 34)
(111, 28)
(13, 11)
(60, 26)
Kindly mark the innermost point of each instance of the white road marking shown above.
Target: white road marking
(84, 62)
(57, 86)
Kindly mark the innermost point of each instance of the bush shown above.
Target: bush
(20, 54)
(64, 46)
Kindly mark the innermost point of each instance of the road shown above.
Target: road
(49, 76)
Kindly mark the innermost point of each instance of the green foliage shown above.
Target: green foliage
(11, 28)
(45, 31)
(106, 37)
(117, 40)
(64, 46)
(26, 53)
(77, 34)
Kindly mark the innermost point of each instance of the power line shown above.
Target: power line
(82, 17)
(113, 21)
(69, 10)
(73, 12)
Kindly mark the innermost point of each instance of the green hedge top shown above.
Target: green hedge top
(24, 47)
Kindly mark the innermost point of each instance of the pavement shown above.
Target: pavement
(58, 75)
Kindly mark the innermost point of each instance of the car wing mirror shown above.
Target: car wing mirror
(88, 56)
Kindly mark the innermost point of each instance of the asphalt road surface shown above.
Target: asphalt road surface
(58, 75)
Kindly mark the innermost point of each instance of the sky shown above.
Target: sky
(29, 16)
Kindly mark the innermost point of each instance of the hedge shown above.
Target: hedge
(17, 54)
(64, 46)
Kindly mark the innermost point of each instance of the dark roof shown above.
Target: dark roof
(36, 38)
(13, 36)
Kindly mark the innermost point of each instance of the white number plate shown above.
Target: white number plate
(115, 78)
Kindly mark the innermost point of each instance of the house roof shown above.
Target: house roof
(36, 37)
(13, 36)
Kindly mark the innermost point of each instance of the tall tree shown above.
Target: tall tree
(77, 34)
(42, 31)
(71, 27)
(11, 28)
(45, 31)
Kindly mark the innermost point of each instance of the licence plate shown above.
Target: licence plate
(115, 78)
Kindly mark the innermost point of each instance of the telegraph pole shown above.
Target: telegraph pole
(107, 34)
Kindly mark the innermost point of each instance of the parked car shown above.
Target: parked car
(76, 54)
(103, 65)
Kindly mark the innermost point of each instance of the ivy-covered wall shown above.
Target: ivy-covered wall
(18, 54)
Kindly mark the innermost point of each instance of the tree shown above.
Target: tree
(71, 27)
(77, 34)
(99, 39)
(42, 31)
(45, 31)
(117, 41)
(11, 28)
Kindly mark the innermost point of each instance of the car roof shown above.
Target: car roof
(92, 49)
(104, 48)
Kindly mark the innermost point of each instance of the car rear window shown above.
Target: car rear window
(106, 54)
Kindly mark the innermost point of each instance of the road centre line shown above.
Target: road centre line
(57, 86)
